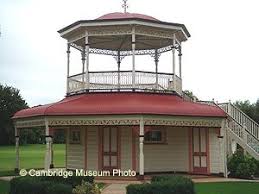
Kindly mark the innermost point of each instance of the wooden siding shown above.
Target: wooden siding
(76, 153)
(215, 149)
(126, 148)
(172, 156)
(92, 145)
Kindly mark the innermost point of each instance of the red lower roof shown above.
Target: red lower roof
(122, 104)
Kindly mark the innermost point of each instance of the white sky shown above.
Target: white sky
(220, 60)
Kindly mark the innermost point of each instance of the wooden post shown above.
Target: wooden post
(51, 148)
(156, 63)
(17, 153)
(133, 44)
(229, 108)
(224, 134)
(48, 153)
(244, 133)
(87, 47)
(141, 152)
(68, 66)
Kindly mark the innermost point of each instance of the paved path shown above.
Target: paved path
(6, 178)
(116, 188)
(119, 187)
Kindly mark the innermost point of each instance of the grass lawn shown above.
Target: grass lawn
(227, 188)
(4, 187)
(31, 156)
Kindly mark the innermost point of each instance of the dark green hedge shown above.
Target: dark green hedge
(71, 180)
(241, 165)
(46, 185)
(164, 185)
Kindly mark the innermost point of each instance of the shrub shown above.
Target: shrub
(86, 188)
(41, 185)
(70, 180)
(27, 185)
(242, 166)
(256, 162)
(164, 185)
(58, 188)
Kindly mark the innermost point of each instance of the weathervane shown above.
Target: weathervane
(125, 5)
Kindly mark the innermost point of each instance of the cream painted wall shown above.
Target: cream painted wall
(76, 153)
(172, 156)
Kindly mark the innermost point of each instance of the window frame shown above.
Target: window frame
(163, 137)
(73, 141)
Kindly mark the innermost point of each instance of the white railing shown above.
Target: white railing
(242, 125)
(123, 81)
(241, 118)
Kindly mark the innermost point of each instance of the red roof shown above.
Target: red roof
(119, 15)
(122, 104)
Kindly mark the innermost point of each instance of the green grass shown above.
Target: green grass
(31, 156)
(4, 187)
(227, 188)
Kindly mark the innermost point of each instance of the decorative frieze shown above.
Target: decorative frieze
(28, 123)
(121, 120)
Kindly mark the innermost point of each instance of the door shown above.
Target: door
(110, 148)
(200, 165)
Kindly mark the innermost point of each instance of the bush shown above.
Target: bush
(70, 180)
(46, 185)
(86, 188)
(58, 188)
(242, 166)
(256, 162)
(27, 185)
(164, 185)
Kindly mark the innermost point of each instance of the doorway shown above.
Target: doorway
(200, 150)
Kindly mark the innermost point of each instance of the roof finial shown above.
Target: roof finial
(125, 6)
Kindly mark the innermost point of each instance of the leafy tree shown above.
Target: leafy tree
(190, 94)
(251, 109)
(247, 107)
(10, 102)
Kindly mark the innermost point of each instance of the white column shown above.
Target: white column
(17, 154)
(141, 143)
(233, 146)
(87, 47)
(48, 153)
(180, 61)
(119, 68)
(244, 133)
(223, 141)
(133, 58)
(229, 108)
(68, 65)
(83, 66)
(156, 63)
(173, 54)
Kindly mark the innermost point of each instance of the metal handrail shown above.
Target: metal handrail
(112, 80)
(124, 71)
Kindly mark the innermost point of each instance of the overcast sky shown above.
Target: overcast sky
(220, 60)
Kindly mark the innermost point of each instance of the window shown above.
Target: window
(155, 136)
(74, 136)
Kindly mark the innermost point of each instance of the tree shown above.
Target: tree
(10, 102)
(251, 109)
(190, 94)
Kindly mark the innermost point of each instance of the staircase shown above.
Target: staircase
(242, 129)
